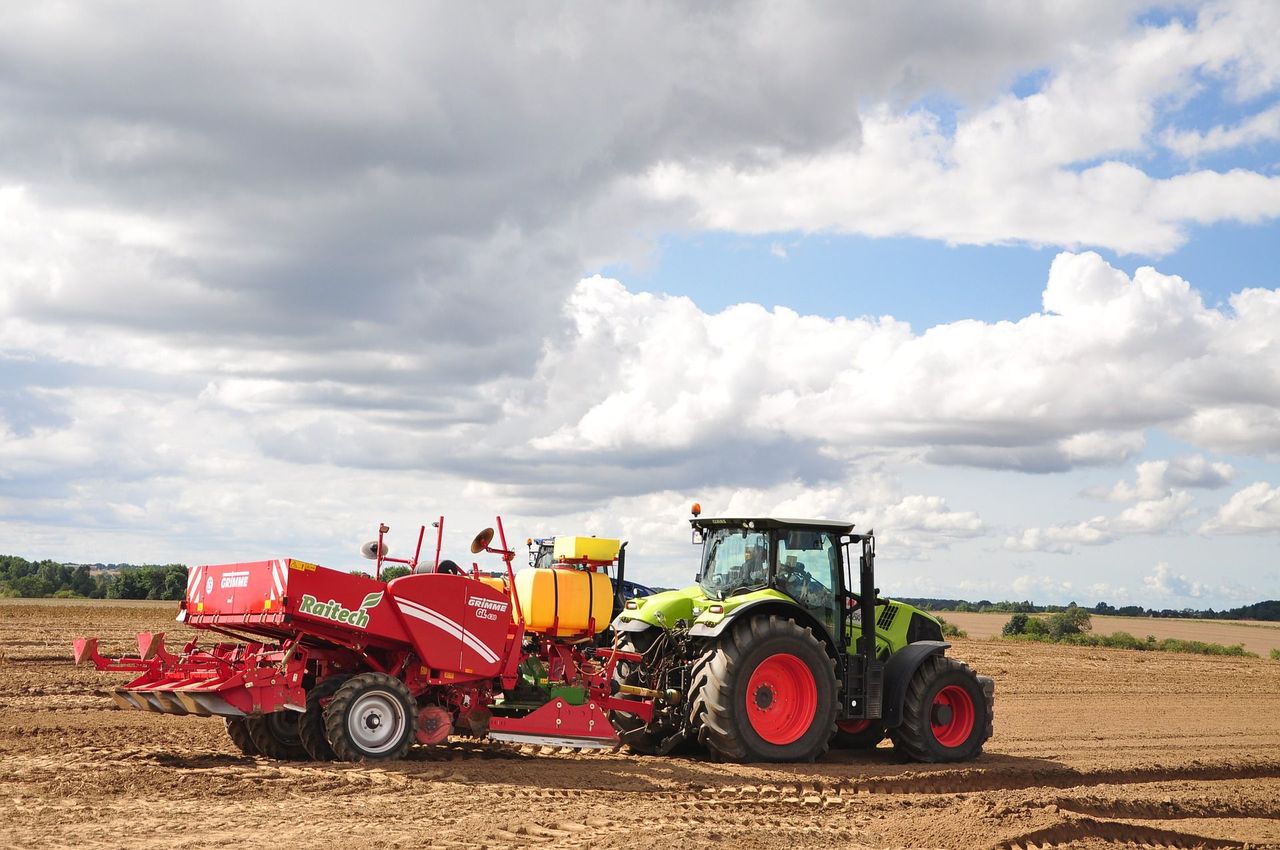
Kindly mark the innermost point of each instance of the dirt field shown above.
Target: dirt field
(1092, 749)
(1256, 637)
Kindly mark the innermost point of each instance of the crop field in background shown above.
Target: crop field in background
(1093, 748)
(1256, 637)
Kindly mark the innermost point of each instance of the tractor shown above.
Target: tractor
(784, 648)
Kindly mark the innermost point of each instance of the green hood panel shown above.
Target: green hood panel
(693, 606)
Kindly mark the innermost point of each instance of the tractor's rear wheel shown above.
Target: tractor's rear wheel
(311, 730)
(858, 734)
(946, 715)
(631, 729)
(238, 731)
(276, 735)
(767, 693)
(371, 718)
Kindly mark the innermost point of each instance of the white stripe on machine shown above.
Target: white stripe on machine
(440, 621)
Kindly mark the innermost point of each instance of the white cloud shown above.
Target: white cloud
(1252, 510)
(1053, 167)
(653, 373)
(1028, 586)
(1262, 127)
(1150, 516)
(1165, 582)
(1062, 539)
(1156, 478)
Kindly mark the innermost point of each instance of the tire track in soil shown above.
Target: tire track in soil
(970, 781)
(1112, 833)
(1168, 810)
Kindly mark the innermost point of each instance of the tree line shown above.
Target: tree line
(20, 577)
(1268, 610)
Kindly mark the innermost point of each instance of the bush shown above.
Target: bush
(394, 571)
(1122, 640)
(1017, 625)
(1037, 628)
(1275, 655)
(1072, 621)
(951, 629)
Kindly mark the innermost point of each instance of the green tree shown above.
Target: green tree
(29, 586)
(82, 583)
(1072, 621)
(1017, 625)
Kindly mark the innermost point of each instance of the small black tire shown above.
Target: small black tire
(867, 738)
(311, 729)
(946, 714)
(276, 735)
(238, 731)
(768, 694)
(372, 717)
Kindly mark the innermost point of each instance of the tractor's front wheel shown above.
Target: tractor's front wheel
(766, 693)
(371, 718)
(946, 715)
(275, 735)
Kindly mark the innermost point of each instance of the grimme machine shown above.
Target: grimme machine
(318, 663)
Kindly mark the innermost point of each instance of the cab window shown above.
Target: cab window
(808, 572)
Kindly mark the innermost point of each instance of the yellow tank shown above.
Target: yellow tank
(585, 549)
(498, 584)
(562, 602)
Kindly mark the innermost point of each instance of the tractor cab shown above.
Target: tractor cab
(802, 559)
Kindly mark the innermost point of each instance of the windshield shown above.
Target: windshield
(733, 559)
(544, 557)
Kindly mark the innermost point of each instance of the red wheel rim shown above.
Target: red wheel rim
(952, 716)
(782, 699)
(853, 727)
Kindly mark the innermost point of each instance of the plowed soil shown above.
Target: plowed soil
(1092, 749)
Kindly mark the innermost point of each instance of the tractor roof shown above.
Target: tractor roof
(772, 523)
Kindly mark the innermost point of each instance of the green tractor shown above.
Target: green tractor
(784, 648)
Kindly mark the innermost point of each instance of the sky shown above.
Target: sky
(1000, 280)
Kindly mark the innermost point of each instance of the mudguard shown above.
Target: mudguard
(621, 625)
(762, 606)
(898, 670)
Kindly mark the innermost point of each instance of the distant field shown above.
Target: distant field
(1094, 749)
(1256, 637)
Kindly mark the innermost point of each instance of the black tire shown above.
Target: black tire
(796, 675)
(276, 735)
(371, 718)
(311, 730)
(239, 734)
(698, 690)
(865, 739)
(631, 729)
(918, 738)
